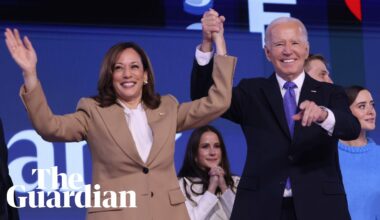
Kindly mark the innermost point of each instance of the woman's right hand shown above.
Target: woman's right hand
(23, 54)
(218, 36)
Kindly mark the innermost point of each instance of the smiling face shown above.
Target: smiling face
(287, 48)
(209, 151)
(363, 108)
(128, 77)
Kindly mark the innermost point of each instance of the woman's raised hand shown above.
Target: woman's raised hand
(23, 53)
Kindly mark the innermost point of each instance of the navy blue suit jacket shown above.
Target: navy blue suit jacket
(6, 212)
(310, 158)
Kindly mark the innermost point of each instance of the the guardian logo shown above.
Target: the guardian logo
(48, 195)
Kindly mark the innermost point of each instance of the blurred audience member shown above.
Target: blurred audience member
(316, 67)
(205, 176)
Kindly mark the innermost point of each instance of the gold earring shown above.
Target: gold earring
(145, 82)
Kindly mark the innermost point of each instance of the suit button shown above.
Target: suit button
(145, 170)
(290, 157)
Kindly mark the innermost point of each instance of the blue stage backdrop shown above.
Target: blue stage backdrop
(69, 58)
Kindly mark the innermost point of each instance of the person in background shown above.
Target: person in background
(360, 159)
(205, 177)
(316, 67)
(6, 212)
(291, 123)
(129, 128)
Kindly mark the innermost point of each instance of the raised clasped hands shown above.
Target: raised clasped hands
(216, 175)
(213, 31)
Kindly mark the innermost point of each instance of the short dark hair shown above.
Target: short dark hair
(352, 92)
(312, 57)
(190, 167)
(106, 92)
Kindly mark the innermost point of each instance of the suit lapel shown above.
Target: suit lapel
(310, 91)
(274, 97)
(114, 119)
(160, 134)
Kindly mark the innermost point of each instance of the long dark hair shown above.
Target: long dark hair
(194, 173)
(352, 92)
(106, 92)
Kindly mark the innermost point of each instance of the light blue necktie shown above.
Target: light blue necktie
(290, 107)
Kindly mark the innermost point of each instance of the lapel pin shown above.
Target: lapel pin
(313, 91)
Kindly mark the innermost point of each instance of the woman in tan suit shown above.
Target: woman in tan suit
(129, 127)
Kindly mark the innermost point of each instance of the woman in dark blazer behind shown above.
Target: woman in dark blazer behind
(6, 212)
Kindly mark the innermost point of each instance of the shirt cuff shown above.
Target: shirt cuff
(228, 197)
(329, 123)
(208, 201)
(203, 58)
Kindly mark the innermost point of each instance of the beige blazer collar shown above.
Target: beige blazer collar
(114, 119)
(156, 120)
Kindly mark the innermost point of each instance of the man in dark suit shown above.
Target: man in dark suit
(6, 212)
(291, 123)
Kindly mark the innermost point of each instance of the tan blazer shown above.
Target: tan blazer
(116, 163)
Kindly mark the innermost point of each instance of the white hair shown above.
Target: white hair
(281, 20)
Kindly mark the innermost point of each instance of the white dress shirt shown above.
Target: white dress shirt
(140, 130)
